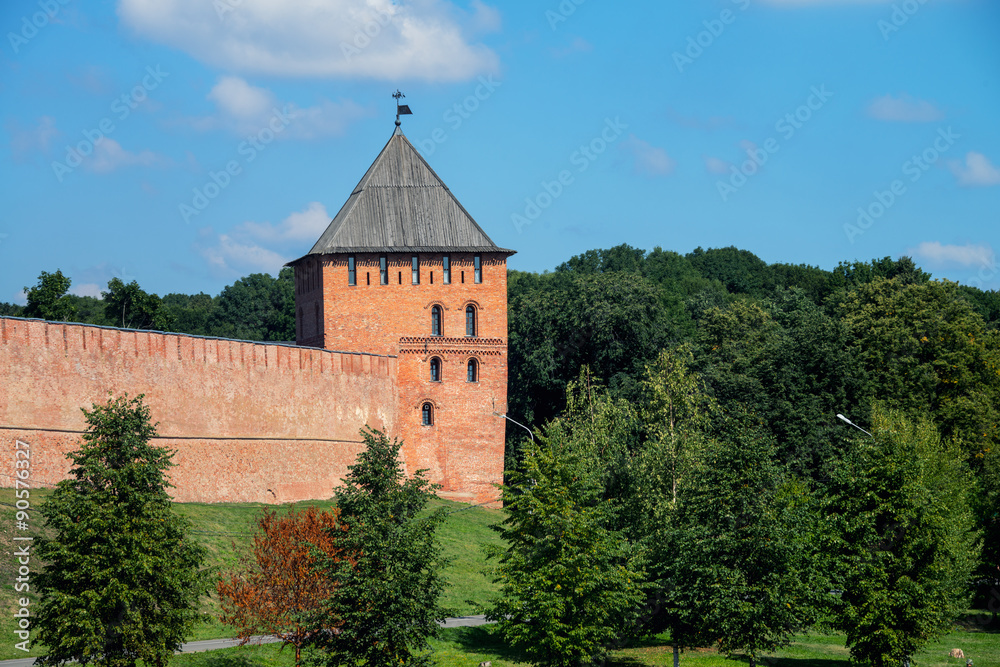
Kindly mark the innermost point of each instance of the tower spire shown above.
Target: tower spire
(401, 109)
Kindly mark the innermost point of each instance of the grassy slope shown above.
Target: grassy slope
(225, 529)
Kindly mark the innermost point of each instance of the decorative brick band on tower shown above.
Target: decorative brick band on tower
(401, 325)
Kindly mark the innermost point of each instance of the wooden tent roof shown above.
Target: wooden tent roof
(401, 205)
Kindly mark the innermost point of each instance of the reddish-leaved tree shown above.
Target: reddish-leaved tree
(277, 587)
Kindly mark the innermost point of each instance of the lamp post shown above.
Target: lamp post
(518, 423)
(848, 421)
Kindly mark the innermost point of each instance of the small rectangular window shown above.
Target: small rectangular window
(383, 270)
(446, 267)
(416, 270)
(478, 266)
(352, 274)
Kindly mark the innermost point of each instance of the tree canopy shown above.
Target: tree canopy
(122, 578)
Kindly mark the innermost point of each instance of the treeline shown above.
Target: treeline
(778, 349)
(793, 344)
(256, 307)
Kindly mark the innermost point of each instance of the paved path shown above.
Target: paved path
(215, 644)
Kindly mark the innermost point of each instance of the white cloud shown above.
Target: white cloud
(86, 289)
(26, 142)
(239, 99)
(715, 165)
(977, 171)
(377, 39)
(648, 159)
(903, 109)
(304, 225)
(20, 298)
(245, 109)
(485, 18)
(263, 246)
(109, 155)
(968, 255)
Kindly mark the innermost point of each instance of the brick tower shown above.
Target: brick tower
(403, 270)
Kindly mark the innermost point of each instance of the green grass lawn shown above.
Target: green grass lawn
(467, 647)
(225, 530)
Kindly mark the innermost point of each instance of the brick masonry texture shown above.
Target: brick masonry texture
(249, 421)
(463, 449)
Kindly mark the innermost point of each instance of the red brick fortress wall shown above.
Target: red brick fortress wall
(250, 421)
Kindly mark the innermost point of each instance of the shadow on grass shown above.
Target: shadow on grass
(483, 640)
(231, 660)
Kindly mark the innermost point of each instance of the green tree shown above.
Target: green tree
(256, 307)
(88, 310)
(901, 539)
(569, 585)
(48, 300)
(11, 309)
(675, 411)
(387, 576)
(736, 558)
(741, 271)
(189, 313)
(785, 360)
(131, 307)
(122, 579)
(925, 350)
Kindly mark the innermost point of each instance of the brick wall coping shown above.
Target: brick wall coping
(181, 333)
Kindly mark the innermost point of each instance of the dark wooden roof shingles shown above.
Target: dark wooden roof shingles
(401, 205)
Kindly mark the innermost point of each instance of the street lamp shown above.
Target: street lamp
(848, 421)
(518, 423)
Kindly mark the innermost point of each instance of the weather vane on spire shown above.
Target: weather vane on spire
(401, 109)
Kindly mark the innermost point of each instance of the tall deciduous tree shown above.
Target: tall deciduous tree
(569, 585)
(278, 587)
(927, 351)
(47, 299)
(737, 553)
(130, 307)
(901, 538)
(386, 591)
(675, 410)
(256, 307)
(122, 578)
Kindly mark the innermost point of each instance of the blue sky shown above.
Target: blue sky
(186, 143)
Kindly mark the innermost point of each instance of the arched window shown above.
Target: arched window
(427, 412)
(436, 321)
(470, 321)
(473, 373)
(435, 370)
